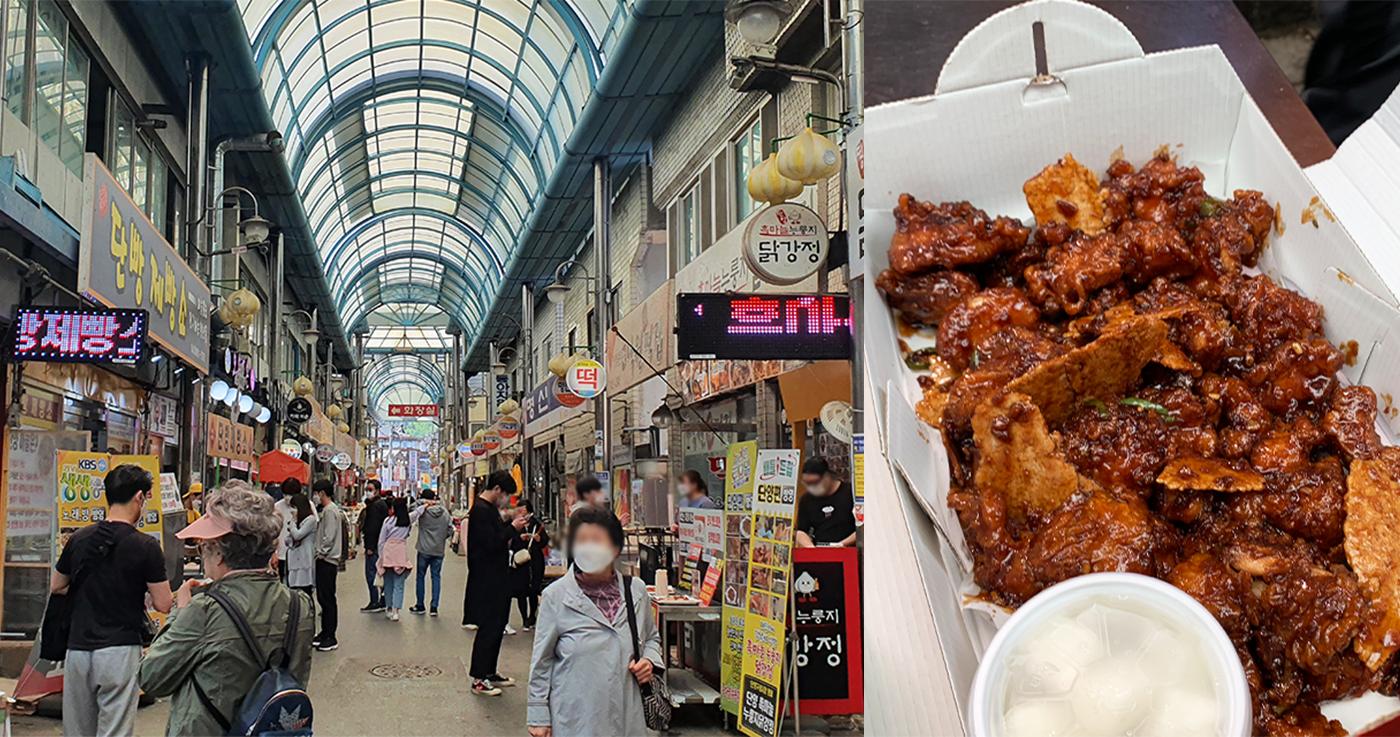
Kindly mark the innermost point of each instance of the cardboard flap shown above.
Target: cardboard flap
(1002, 48)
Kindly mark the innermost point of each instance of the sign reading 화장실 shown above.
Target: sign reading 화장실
(78, 335)
(125, 263)
(763, 326)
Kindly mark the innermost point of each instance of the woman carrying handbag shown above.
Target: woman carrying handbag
(528, 553)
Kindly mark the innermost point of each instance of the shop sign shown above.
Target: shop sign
(292, 448)
(704, 379)
(78, 335)
(587, 378)
(413, 410)
(763, 326)
(162, 415)
(341, 461)
(826, 630)
(491, 439)
(541, 401)
(766, 605)
(229, 439)
(738, 518)
(855, 197)
(29, 480)
(502, 389)
(478, 447)
(563, 397)
(508, 427)
(299, 410)
(239, 366)
(648, 329)
(80, 476)
(42, 409)
(785, 243)
(463, 450)
(858, 476)
(125, 262)
(324, 452)
(170, 502)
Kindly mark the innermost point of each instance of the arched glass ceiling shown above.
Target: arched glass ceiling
(403, 374)
(420, 133)
(406, 327)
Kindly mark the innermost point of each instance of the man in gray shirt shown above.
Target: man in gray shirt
(434, 529)
(330, 556)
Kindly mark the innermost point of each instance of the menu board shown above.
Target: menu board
(770, 568)
(826, 630)
(738, 516)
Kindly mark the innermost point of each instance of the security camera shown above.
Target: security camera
(275, 142)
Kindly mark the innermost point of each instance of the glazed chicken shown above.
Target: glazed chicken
(1221, 458)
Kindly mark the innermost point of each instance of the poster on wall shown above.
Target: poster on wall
(29, 490)
(738, 516)
(766, 610)
(81, 497)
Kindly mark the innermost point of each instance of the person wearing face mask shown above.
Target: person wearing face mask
(583, 678)
(826, 513)
(107, 569)
(694, 493)
(198, 657)
(488, 580)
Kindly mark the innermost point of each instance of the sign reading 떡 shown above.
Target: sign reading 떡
(738, 519)
(785, 243)
(770, 570)
(77, 335)
(126, 263)
(587, 378)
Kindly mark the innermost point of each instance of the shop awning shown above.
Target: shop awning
(805, 390)
(275, 467)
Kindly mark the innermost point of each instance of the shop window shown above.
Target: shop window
(140, 169)
(573, 337)
(46, 78)
(748, 154)
(16, 52)
(688, 223)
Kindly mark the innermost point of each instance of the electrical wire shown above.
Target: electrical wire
(673, 389)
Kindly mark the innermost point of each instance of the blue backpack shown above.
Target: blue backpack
(277, 704)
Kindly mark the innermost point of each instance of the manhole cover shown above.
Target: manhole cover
(404, 671)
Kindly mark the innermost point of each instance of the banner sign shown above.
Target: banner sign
(703, 379)
(229, 439)
(163, 415)
(170, 501)
(502, 389)
(858, 476)
(413, 410)
(82, 496)
(29, 510)
(648, 328)
(78, 335)
(738, 518)
(770, 568)
(826, 630)
(763, 326)
(125, 262)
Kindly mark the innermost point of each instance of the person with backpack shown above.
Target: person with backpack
(330, 556)
(102, 579)
(234, 654)
(434, 527)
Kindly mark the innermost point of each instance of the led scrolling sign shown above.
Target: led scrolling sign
(763, 326)
(78, 335)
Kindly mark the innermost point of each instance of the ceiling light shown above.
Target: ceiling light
(263, 415)
(231, 398)
(218, 390)
(662, 417)
(255, 230)
(758, 21)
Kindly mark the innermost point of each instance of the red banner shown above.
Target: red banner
(413, 410)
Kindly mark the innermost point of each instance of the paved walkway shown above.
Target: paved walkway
(407, 677)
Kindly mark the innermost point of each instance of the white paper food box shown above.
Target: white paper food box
(987, 129)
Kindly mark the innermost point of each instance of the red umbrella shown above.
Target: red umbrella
(276, 467)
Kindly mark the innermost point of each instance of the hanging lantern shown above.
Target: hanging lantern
(560, 363)
(809, 157)
(303, 387)
(334, 412)
(343, 427)
(508, 407)
(767, 184)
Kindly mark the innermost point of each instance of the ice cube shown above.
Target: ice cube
(1111, 696)
(1039, 718)
(1181, 712)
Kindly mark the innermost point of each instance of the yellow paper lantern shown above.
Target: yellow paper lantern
(343, 427)
(302, 387)
(767, 184)
(508, 407)
(809, 157)
(559, 364)
(335, 412)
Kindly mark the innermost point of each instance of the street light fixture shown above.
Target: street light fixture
(557, 290)
(758, 21)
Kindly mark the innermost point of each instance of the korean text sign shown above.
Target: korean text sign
(82, 499)
(126, 263)
(826, 630)
(770, 570)
(738, 516)
(78, 335)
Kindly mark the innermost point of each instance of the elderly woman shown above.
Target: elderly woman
(583, 679)
(198, 655)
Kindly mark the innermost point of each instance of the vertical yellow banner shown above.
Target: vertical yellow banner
(738, 516)
(770, 572)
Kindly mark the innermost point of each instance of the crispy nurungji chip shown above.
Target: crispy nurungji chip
(1209, 474)
(930, 408)
(1016, 455)
(1373, 546)
(1066, 192)
(1105, 368)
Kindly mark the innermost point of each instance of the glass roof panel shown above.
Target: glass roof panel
(419, 132)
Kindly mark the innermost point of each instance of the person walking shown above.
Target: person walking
(282, 493)
(300, 534)
(394, 564)
(199, 657)
(434, 527)
(371, 523)
(488, 580)
(583, 679)
(330, 556)
(529, 575)
(106, 570)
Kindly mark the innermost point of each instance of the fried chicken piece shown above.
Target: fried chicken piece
(1316, 612)
(1000, 566)
(1345, 677)
(1310, 503)
(1287, 447)
(1220, 590)
(1303, 720)
(949, 235)
(1372, 547)
(1066, 192)
(977, 318)
(1096, 533)
(1116, 446)
(1200, 326)
(925, 298)
(1070, 273)
(1350, 422)
(1232, 233)
(1160, 192)
(1246, 420)
(1268, 315)
(1009, 354)
(1296, 376)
